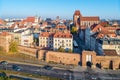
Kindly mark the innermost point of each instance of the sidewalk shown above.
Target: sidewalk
(38, 65)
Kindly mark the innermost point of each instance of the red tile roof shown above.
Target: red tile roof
(95, 18)
(112, 28)
(102, 31)
(29, 19)
(4, 34)
(98, 28)
(89, 18)
(1, 21)
(104, 23)
(46, 34)
(62, 35)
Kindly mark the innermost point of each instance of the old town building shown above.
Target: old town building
(63, 40)
(46, 40)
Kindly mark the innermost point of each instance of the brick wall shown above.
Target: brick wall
(73, 58)
(64, 58)
(28, 51)
(107, 61)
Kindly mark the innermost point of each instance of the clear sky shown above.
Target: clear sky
(63, 8)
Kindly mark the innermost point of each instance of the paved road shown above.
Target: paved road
(78, 73)
(59, 73)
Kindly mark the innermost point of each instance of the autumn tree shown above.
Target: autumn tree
(70, 50)
(1, 48)
(13, 46)
(74, 30)
(61, 49)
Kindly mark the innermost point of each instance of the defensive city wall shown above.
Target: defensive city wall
(88, 58)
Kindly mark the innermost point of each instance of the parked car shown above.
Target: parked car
(47, 67)
(3, 62)
(16, 68)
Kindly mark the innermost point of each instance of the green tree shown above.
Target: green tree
(61, 49)
(70, 50)
(4, 76)
(13, 46)
(74, 30)
(1, 48)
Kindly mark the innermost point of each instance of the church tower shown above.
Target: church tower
(76, 18)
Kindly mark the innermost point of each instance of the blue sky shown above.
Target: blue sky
(63, 8)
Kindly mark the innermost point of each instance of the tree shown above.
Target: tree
(13, 46)
(70, 50)
(1, 48)
(61, 49)
(74, 30)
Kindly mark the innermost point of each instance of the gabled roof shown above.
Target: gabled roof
(62, 35)
(46, 34)
(90, 18)
(29, 19)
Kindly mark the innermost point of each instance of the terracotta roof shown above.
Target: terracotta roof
(4, 34)
(111, 34)
(95, 18)
(102, 31)
(98, 28)
(1, 21)
(62, 35)
(46, 34)
(29, 19)
(22, 26)
(112, 28)
(109, 52)
(104, 23)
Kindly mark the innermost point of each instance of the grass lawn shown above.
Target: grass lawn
(28, 75)
(18, 56)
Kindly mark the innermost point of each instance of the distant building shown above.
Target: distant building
(2, 21)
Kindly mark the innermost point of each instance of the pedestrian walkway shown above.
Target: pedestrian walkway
(78, 68)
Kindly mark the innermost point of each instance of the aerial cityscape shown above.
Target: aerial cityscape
(59, 40)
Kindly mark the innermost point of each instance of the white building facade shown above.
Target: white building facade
(63, 40)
